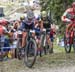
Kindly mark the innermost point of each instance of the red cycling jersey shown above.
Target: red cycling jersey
(67, 16)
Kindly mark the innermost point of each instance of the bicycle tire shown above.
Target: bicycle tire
(18, 50)
(74, 43)
(1, 51)
(30, 65)
(67, 47)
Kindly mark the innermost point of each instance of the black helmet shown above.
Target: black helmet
(22, 17)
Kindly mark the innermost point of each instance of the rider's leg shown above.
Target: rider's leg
(33, 34)
(38, 45)
(71, 37)
(68, 27)
(50, 43)
(68, 32)
(24, 39)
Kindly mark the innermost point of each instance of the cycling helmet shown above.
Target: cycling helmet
(73, 4)
(22, 17)
(3, 22)
(30, 14)
(43, 13)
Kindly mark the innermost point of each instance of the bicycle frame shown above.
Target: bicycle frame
(29, 35)
(45, 38)
(30, 39)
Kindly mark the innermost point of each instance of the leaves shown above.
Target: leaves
(57, 8)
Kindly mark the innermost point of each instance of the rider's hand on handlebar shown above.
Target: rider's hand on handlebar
(69, 22)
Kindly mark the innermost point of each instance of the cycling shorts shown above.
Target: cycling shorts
(52, 39)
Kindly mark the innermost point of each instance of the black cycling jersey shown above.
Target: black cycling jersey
(46, 23)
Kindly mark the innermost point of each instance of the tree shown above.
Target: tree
(57, 8)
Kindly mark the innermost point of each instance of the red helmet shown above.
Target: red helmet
(73, 4)
(3, 22)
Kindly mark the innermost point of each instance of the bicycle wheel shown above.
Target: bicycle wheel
(74, 42)
(18, 50)
(1, 56)
(42, 44)
(30, 53)
(67, 44)
(1, 50)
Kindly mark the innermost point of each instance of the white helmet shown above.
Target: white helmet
(30, 14)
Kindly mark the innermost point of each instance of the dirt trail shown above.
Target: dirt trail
(58, 62)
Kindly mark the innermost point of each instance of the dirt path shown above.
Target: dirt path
(58, 62)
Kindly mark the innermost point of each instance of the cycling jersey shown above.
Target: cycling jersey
(26, 24)
(2, 30)
(68, 15)
(46, 23)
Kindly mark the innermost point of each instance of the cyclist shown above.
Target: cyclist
(3, 33)
(22, 19)
(46, 23)
(16, 25)
(68, 17)
(27, 23)
(37, 30)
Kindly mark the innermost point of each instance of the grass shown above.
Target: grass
(60, 49)
(58, 58)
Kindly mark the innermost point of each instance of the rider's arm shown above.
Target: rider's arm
(5, 30)
(22, 26)
(35, 23)
(41, 24)
(64, 17)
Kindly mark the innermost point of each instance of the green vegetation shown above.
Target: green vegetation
(57, 8)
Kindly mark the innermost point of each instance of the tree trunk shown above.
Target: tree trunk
(65, 4)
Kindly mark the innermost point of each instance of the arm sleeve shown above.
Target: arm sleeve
(22, 26)
(64, 17)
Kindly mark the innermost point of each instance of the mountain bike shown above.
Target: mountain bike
(67, 44)
(30, 49)
(19, 48)
(68, 41)
(73, 28)
(44, 43)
